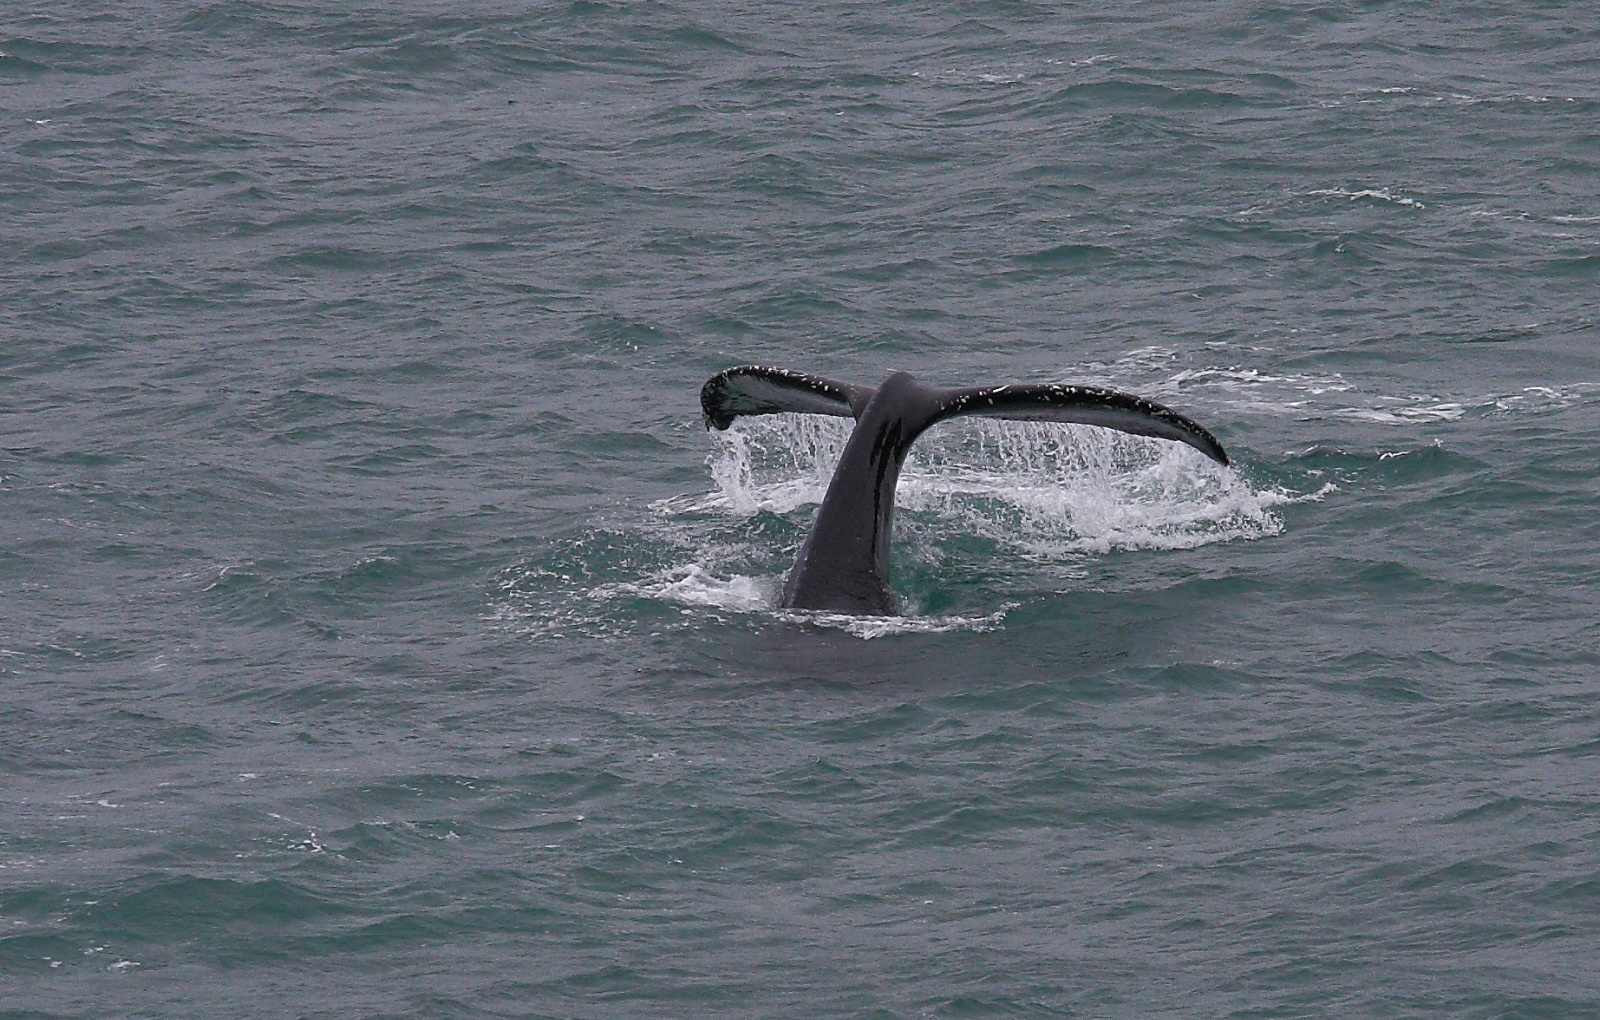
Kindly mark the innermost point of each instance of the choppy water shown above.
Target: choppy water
(382, 635)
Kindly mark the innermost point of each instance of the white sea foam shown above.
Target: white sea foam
(1382, 194)
(1538, 399)
(869, 627)
(1250, 380)
(1446, 411)
(693, 585)
(1312, 396)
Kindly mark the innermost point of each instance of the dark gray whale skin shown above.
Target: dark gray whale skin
(843, 566)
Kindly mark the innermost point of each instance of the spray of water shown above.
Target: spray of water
(1048, 493)
(1043, 489)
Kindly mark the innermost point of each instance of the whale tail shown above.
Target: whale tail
(843, 566)
(752, 389)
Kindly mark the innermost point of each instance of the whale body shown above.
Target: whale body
(843, 566)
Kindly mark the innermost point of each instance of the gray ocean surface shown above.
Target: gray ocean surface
(383, 635)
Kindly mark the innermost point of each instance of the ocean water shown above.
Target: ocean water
(382, 635)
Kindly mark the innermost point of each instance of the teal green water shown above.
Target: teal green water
(382, 635)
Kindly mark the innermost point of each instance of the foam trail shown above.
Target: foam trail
(868, 627)
(693, 585)
(531, 607)
(1311, 397)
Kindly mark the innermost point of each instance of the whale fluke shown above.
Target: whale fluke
(752, 389)
(843, 566)
(1082, 405)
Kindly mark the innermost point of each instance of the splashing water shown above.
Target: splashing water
(1041, 488)
(1046, 492)
(776, 462)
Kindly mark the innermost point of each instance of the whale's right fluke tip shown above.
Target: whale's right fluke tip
(1082, 405)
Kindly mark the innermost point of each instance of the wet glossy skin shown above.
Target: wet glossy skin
(843, 567)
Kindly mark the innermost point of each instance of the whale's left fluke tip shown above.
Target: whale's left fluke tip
(753, 389)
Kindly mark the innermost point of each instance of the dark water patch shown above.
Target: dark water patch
(1585, 266)
(296, 415)
(1391, 577)
(36, 58)
(1545, 657)
(821, 779)
(1570, 895)
(1193, 677)
(695, 36)
(775, 175)
(1067, 256)
(412, 56)
(380, 842)
(337, 257)
(185, 904)
(1543, 1007)
(585, 10)
(901, 719)
(531, 160)
(1349, 250)
(1495, 810)
(692, 118)
(383, 463)
(1063, 179)
(448, 924)
(890, 271)
(28, 956)
(788, 304)
(234, 19)
(517, 58)
(1275, 82)
(160, 733)
(1456, 876)
(969, 28)
(288, 695)
(675, 241)
(566, 787)
(245, 596)
(1247, 234)
(1384, 686)
(14, 65)
(1125, 94)
(389, 574)
(927, 824)
(1517, 712)
(73, 646)
(1503, 335)
(85, 460)
(621, 333)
